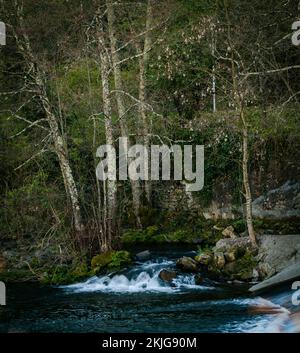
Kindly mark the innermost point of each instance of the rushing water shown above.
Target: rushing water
(134, 301)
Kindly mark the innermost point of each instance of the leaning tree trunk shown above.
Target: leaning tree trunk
(61, 152)
(135, 186)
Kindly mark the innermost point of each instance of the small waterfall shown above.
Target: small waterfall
(143, 277)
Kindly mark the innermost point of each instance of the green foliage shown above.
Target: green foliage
(26, 208)
(119, 259)
(132, 237)
(246, 264)
(63, 274)
(151, 231)
(100, 261)
(17, 276)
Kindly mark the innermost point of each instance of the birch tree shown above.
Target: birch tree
(36, 78)
(143, 62)
(135, 187)
(238, 92)
(110, 185)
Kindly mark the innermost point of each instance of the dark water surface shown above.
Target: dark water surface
(136, 301)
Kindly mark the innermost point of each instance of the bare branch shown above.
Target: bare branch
(267, 72)
(146, 105)
(28, 127)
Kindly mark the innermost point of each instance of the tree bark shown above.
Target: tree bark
(61, 152)
(238, 97)
(143, 62)
(246, 183)
(110, 185)
(135, 185)
(60, 149)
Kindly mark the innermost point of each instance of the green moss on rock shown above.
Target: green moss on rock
(113, 260)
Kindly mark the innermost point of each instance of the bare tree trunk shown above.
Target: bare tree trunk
(65, 167)
(238, 96)
(246, 184)
(110, 186)
(135, 185)
(59, 143)
(143, 61)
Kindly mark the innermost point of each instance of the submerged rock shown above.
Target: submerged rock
(167, 275)
(143, 255)
(187, 264)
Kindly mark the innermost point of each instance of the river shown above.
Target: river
(135, 301)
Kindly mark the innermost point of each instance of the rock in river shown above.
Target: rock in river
(167, 275)
(143, 255)
(187, 264)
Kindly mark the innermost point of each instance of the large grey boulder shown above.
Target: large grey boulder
(229, 245)
(277, 252)
(289, 274)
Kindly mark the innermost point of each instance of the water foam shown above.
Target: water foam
(143, 277)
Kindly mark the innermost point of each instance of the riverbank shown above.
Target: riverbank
(222, 253)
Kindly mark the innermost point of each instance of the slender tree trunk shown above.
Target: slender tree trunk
(65, 167)
(135, 185)
(143, 61)
(110, 186)
(246, 184)
(238, 97)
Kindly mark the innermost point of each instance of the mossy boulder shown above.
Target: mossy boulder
(187, 264)
(100, 261)
(238, 246)
(204, 258)
(110, 261)
(219, 260)
(64, 274)
(228, 232)
(241, 269)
